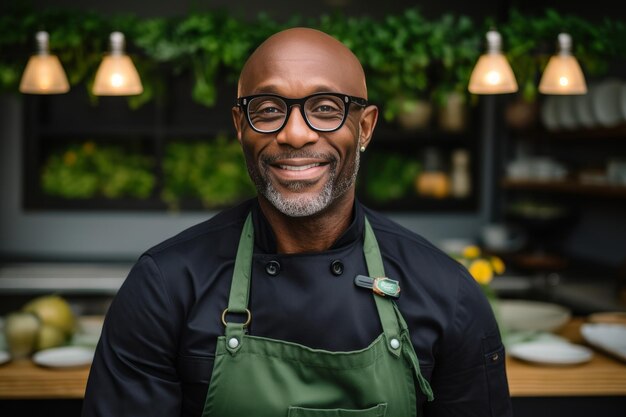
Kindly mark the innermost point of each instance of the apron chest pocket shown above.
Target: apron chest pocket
(376, 411)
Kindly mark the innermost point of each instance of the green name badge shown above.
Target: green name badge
(386, 287)
(382, 286)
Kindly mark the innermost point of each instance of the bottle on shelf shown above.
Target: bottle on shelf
(460, 179)
(433, 181)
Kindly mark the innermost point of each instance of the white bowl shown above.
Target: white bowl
(527, 315)
(605, 101)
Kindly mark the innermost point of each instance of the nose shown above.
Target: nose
(296, 133)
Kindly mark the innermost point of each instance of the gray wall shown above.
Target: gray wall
(73, 235)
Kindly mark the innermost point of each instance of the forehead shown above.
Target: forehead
(298, 67)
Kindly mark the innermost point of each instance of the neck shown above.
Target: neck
(314, 233)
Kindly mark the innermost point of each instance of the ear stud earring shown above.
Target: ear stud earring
(362, 148)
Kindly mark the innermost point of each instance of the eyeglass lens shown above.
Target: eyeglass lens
(267, 113)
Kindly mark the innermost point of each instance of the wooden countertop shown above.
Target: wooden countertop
(21, 379)
(602, 376)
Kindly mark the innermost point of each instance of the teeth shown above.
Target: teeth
(298, 167)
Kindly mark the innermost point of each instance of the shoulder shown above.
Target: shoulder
(429, 275)
(221, 226)
(194, 256)
(394, 238)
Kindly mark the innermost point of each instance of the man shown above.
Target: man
(271, 308)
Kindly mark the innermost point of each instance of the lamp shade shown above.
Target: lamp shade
(492, 74)
(44, 73)
(563, 74)
(116, 75)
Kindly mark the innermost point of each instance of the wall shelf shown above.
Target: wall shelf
(70, 120)
(567, 187)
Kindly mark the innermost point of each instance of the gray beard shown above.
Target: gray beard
(301, 206)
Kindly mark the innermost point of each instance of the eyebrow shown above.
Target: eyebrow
(274, 89)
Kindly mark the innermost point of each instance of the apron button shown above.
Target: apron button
(394, 343)
(233, 343)
(336, 267)
(272, 268)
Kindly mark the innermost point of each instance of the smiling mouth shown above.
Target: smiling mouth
(299, 167)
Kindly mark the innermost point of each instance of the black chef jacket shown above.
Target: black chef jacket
(155, 355)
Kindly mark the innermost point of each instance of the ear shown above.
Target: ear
(238, 120)
(367, 123)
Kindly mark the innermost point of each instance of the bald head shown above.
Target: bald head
(301, 61)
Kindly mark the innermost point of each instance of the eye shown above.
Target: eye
(266, 107)
(324, 105)
(324, 108)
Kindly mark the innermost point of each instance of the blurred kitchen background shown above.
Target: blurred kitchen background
(91, 181)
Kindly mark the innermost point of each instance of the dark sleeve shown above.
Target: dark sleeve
(133, 372)
(469, 378)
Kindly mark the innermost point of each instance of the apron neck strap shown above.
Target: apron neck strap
(239, 288)
(390, 317)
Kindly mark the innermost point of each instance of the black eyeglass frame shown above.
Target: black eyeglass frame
(242, 102)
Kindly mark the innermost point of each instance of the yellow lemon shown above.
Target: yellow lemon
(471, 252)
(481, 271)
(498, 265)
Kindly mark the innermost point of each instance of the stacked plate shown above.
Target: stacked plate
(604, 105)
(611, 337)
(551, 353)
(527, 324)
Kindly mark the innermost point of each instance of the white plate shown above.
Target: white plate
(4, 357)
(583, 110)
(551, 353)
(609, 337)
(565, 112)
(63, 357)
(605, 101)
(549, 113)
(529, 315)
(623, 101)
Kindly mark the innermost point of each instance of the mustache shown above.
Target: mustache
(298, 153)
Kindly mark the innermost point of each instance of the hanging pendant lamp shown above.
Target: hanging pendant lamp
(44, 73)
(492, 74)
(563, 74)
(117, 76)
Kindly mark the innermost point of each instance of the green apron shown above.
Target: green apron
(260, 377)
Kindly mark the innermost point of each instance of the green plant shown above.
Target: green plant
(212, 171)
(397, 60)
(454, 43)
(88, 170)
(390, 176)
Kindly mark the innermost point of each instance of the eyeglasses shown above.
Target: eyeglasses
(322, 112)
